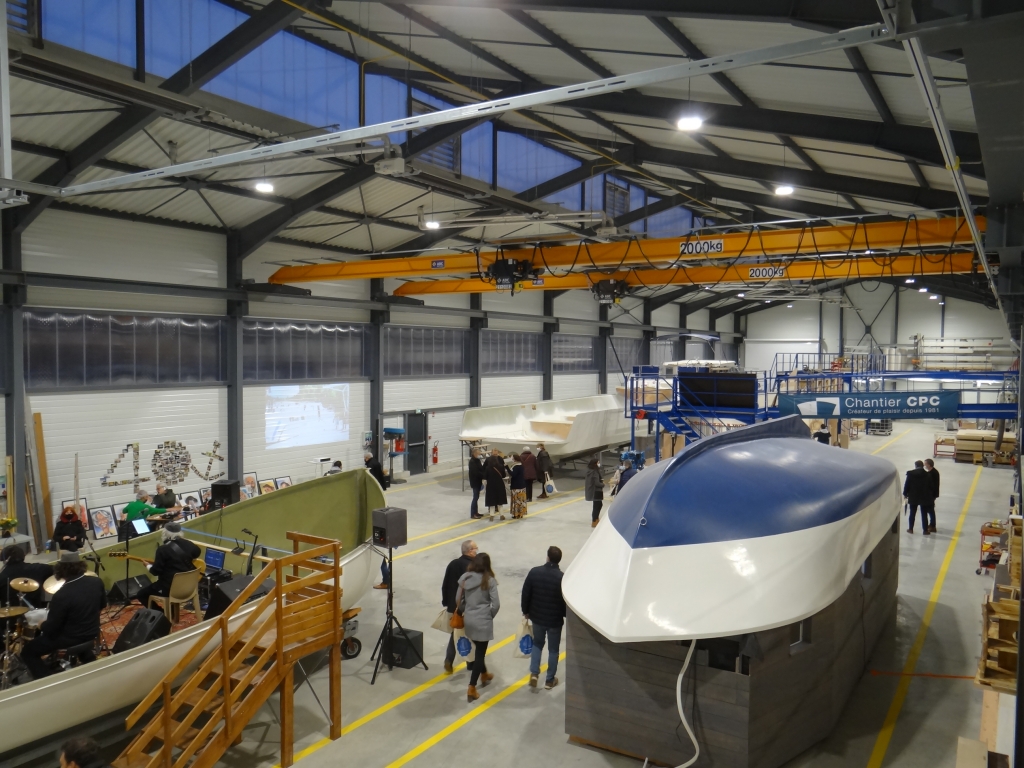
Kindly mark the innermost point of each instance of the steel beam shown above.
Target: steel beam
(816, 241)
(765, 273)
(905, 140)
(712, 298)
(817, 45)
(14, 370)
(234, 46)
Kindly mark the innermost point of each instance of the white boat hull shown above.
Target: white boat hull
(39, 709)
(567, 428)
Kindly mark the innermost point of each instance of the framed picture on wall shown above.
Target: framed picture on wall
(104, 524)
(204, 496)
(82, 509)
(189, 501)
(267, 486)
(119, 511)
(283, 482)
(250, 485)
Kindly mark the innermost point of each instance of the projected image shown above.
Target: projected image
(307, 414)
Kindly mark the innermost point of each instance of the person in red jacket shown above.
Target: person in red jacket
(529, 462)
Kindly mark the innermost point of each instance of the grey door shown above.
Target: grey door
(416, 443)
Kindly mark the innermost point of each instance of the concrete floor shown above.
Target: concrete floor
(422, 716)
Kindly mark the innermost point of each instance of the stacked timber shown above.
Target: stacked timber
(979, 445)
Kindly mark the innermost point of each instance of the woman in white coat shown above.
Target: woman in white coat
(478, 596)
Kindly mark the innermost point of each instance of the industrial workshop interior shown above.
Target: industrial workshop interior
(593, 383)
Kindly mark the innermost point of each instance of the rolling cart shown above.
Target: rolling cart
(991, 548)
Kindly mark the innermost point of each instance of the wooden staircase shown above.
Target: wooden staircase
(198, 719)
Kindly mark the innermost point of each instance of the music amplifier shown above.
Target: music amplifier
(389, 527)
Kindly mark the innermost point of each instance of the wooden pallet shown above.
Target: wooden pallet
(997, 667)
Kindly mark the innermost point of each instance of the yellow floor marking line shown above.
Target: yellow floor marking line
(488, 528)
(477, 710)
(453, 527)
(394, 703)
(879, 450)
(885, 735)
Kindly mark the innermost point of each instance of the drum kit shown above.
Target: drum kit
(20, 624)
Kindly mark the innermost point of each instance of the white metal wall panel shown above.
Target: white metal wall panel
(578, 304)
(966, 319)
(95, 246)
(443, 428)
(109, 301)
(300, 463)
(566, 385)
(98, 426)
(800, 322)
(423, 394)
(510, 390)
(759, 355)
(428, 319)
(666, 316)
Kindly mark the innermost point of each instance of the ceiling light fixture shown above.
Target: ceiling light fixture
(741, 295)
(689, 123)
(264, 186)
(784, 189)
(910, 280)
(942, 303)
(922, 290)
(767, 301)
(789, 306)
(933, 297)
(432, 224)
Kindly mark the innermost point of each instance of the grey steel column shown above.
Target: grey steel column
(378, 320)
(547, 346)
(605, 334)
(648, 337)
(233, 364)
(14, 365)
(476, 326)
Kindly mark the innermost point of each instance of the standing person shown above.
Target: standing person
(69, 533)
(544, 605)
(933, 477)
(449, 591)
(174, 555)
(476, 482)
(494, 473)
(479, 588)
(627, 474)
(81, 752)
(545, 467)
(517, 485)
(593, 490)
(73, 616)
(375, 469)
(529, 462)
(823, 436)
(917, 490)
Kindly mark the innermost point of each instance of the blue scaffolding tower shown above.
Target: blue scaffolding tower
(697, 402)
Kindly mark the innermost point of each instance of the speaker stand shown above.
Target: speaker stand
(386, 641)
(127, 583)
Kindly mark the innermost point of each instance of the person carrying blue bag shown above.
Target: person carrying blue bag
(544, 606)
(478, 597)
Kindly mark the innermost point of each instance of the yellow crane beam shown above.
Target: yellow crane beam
(909, 235)
(774, 272)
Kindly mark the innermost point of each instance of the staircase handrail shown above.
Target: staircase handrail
(198, 646)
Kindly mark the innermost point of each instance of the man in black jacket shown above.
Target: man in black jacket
(476, 482)
(917, 490)
(17, 568)
(933, 478)
(375, 469)
(449, 591)
(175, 555)
(73, 617)
(544, 605)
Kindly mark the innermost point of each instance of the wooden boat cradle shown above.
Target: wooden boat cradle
(196, 722)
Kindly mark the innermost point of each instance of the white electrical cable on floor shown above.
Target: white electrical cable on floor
(679, 706)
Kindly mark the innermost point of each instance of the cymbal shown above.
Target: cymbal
(52, 584)
(14, 610)
(24, 584)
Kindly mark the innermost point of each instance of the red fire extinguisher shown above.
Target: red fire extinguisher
(433, 452)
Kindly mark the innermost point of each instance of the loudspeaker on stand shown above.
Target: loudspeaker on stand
(389, 527)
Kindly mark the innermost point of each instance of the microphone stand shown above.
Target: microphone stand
(252, 552)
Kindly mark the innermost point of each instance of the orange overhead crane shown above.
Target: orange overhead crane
(775, 272)
(908, 236)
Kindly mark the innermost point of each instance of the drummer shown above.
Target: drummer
(74, 615)
(17, 568)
